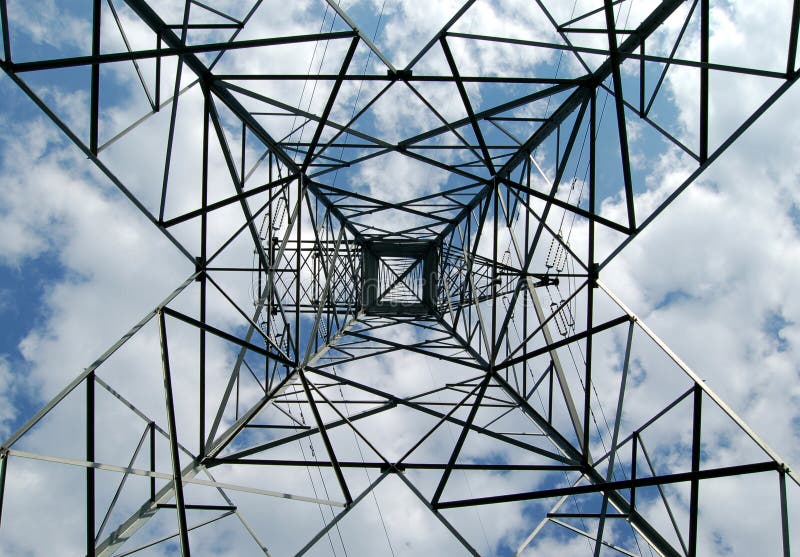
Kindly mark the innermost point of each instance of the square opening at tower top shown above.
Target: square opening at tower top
(399, 277)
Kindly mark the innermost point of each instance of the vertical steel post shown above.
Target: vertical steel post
(152, 426)
(177, 479)
(694, 496)
(94, 99)
(3, 467)
(174, 112)
(795, 25)
(550, 372)
(619, 101)
(642, 73)
(558, 151)
(203, 278)
(634, 456)
(704, 32)
(525, 293)
(612, 457)
(298, 263)
(90, 486)
(157, 95)
(587, 395)
(495, 278)
(242, 169)
(784, 513)
(270, 261)
(6, 34)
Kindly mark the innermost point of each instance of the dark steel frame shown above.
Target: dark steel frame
(304, 328)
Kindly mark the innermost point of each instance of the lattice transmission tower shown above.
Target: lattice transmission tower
(396, 338)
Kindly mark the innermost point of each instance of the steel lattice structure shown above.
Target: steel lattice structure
(491, 268)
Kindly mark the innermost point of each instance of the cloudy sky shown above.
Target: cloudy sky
(713, 275)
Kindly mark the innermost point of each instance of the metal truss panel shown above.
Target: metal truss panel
(396, 327)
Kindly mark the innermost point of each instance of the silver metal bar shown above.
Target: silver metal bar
(703, 385)
(548, 338)
(615, 437)
(588, 535)
(343, 14)
(164, 476)
(97, 363)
